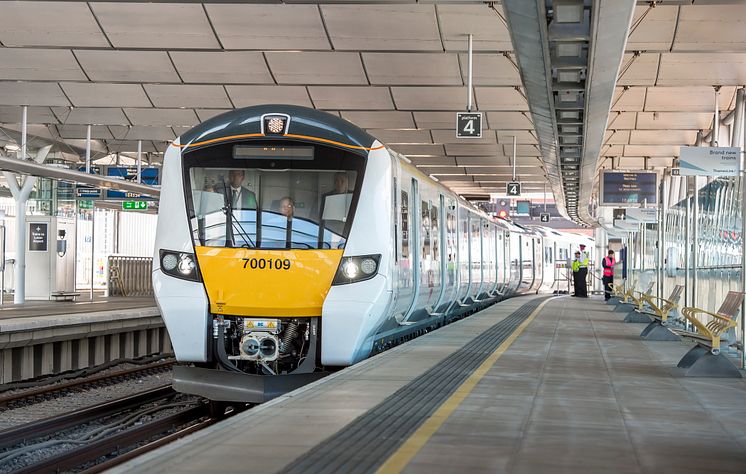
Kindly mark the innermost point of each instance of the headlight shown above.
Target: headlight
(179, 265)
(354, 269)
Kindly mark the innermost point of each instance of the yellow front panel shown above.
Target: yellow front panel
(249, 282)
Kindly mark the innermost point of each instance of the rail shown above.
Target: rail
(129, 276)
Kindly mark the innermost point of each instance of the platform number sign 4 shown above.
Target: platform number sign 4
(544, 217)
(513, 189)
(469, 125)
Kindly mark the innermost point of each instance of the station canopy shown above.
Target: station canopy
(149, 71)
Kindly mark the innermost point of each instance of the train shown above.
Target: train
(291, 243)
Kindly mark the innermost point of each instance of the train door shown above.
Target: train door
(477, 267)
(516, 242)
(452, 265)
(501, 258)
(443, 254)
(403, 274)
(538, 264)
(527, 263)
(493, 259)
(465, 257)
(413, 248)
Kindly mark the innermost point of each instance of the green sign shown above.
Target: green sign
(134, 205)
(85, 204)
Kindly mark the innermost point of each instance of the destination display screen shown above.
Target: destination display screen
(629, 188)
(259, 152)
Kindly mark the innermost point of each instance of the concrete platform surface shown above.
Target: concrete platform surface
(576, 391)
(56, 308)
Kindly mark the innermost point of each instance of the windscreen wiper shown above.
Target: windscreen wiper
(232, 224)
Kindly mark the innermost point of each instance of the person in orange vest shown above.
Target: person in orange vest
(608, 278)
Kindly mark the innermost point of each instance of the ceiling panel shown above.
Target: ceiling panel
(39, 65)
(183, 95)
(167, 117)
(98, 132)
(316, 68)
(616, 137)
(155, 25)
(105, 95)
(434, 160)
(32, 93)
(130, 146)
(379, 119)
(442, 120)
(522, 137)
(693, 99)
(420, 150)
(207, 114)
(449, 136)
(412, 68)
(668, 137)
(500, 98)
(472, 149)
(457, 21)
(355, 98)
(612, 150)
(391, 137)
(631, 163)
(656, 31)
(633, 99)
(127, 66)
(92, 116)
(702, 69)
(245, 96)
(509, 120)
(711, 28)
(673, 120)
(382, 27)
(521, 150)
(268, 27)
(642, 71)
(490, 70)
(442, 170)
(222, 67)
(622, 120)
(143, 133)
(651, 150)
(430, 98)
(10, 114)
(50, 24)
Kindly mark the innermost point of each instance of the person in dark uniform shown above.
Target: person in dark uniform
(576, 274)
(240, 196)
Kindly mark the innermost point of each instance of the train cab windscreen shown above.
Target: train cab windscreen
(277, 197)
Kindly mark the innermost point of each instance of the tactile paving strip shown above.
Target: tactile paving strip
(366, 443)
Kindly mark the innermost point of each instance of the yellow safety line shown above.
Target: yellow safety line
(407, 451)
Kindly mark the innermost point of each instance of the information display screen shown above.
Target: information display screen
(258, 152)
(629, 188)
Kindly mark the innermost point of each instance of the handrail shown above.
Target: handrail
(663, 310)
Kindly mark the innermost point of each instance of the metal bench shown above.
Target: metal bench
(63, 295)
(659, 309)
(618, 292)
(705, 359)
(636, 300)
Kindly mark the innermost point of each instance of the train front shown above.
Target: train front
(256, 209)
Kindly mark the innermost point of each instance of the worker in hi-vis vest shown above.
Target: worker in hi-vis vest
(583, 273)
(576, 274)
(608, 263)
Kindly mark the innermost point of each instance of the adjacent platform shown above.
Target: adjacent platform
(47, 338)
(533, 384)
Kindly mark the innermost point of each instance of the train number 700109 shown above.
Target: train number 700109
(266, 263)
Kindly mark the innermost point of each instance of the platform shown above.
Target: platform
(50, 337)
(575, 391)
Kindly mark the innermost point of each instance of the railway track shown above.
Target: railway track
(104, 435)
(43, 393)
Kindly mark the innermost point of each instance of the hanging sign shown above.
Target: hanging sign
(544, 217)
(709, 161)
(513, 188)
(628, 188)
(38, 237)
(468, 124)
(642, 216)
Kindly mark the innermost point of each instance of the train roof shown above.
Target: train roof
(304, 125)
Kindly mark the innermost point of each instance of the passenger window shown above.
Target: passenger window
(425, 229)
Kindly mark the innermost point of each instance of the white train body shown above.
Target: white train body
(271, 299)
